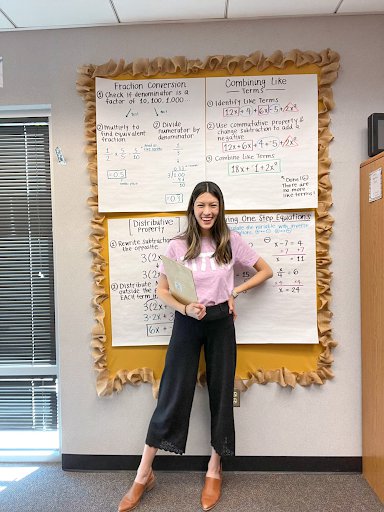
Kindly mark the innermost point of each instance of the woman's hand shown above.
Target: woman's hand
(232, 309)
(196, 310)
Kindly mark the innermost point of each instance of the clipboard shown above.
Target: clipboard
(180, 280)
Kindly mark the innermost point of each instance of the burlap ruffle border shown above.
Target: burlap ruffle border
(328, 64)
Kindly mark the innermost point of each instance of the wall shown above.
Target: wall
(40, 67)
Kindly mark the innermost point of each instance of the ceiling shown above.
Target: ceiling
(49, 14)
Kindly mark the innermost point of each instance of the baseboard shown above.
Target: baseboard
(75, 462)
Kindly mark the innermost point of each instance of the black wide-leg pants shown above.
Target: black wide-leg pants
(168, 428)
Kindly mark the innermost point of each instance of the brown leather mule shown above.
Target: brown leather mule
(135, 493)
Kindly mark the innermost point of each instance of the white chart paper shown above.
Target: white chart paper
(150, 143)
(255, 136)
(135, 246)
(281, 310)
(284, 308)
(261, 140)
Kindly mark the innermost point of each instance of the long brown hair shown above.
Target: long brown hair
(220, 231)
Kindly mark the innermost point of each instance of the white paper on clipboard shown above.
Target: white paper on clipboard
(180, 280)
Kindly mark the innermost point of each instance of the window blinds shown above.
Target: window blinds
(27, 329)
(28, 403)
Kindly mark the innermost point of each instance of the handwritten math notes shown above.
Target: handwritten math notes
(261, 140)
(150, 143)
(135, 246)
(282, 310)
(256, 136)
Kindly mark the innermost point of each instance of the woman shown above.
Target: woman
(211, 250)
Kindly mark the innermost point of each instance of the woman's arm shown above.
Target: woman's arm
(264, 272)
(193, 309)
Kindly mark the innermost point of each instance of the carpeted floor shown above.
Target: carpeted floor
(49, 489)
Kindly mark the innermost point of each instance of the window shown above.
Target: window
(28, 375)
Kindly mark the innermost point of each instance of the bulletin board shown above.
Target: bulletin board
(286, 364)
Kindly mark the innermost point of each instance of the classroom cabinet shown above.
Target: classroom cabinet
(372, 320)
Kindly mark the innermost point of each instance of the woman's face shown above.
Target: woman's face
(206, 210)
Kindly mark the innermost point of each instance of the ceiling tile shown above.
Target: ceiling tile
(47, 13)
(275, 8)
(357, 6)
(4, 23)
(157, 10)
